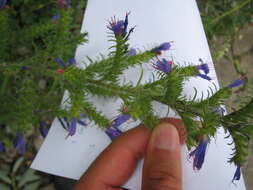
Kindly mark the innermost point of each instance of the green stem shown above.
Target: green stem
(14, 184)
(5, 82)
(53, 87)
(215, 20)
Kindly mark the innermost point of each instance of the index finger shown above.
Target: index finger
(117, 162)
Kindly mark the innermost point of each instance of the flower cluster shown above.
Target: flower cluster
(119, 27)
(163, 65)
(18, 142)
(113, 131)
(61, 63)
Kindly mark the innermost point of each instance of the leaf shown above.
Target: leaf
(33, 186)
(17, 164)
(4, 177)
(4, 187)
(29, 176)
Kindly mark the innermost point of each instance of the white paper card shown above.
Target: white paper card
(157, 21)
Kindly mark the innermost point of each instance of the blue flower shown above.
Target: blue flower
(64, 3)
(132, 52)
(81, 122)
(164, 65)
(72, 61)
(163, 47)
(24, 68)
(236, 83)
(68, 3)
(119, 27)
(19, 143)
(2, 147)
(43, 129)
(72, 127)
(2, 3)
(203, 67)
(60, 62)
(113, 133)
(120, 120)
(56, 16)
(199, 154)
(237, 174)
(204, 77)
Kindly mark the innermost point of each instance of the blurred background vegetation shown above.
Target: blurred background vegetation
(229, 28)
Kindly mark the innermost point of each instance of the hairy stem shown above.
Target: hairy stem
(229, 12)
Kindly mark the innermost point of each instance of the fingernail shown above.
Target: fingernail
(165, 136)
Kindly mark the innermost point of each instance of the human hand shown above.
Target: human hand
(162, 165)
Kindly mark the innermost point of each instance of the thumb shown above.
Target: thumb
(162, 165)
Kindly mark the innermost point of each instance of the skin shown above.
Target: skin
(162, 165)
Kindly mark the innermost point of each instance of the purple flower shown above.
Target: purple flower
(83, 123)
(163, 47)
(60, 62)
(24, 68)
(164, 65)
(237, 174)
(63, 3)
(120, 120)
(19, 143)
(68, 3)
(199, 154)
(132, 52)
(204, 77)
(203, 67)
(2, 147)
(43, 129)
(72, 61)
(119, 27)
(56, 16)
(2, 3)
(72, 127)
(236, 83)
(113, 133)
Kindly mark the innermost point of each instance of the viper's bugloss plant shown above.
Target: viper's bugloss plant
(37, 66)
(37, 43)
